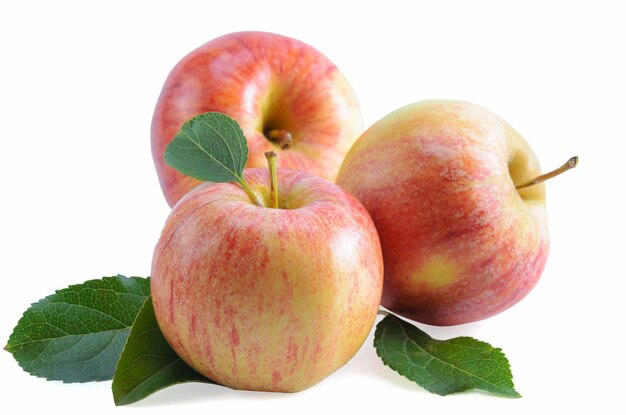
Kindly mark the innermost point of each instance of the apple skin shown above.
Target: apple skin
(264, 81)
(267, 299)
(460, 243)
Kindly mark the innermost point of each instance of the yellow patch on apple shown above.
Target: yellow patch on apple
(438, 271)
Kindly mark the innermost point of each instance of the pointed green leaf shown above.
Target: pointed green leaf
(148, 363)
(442, 366)
(210, 147)
(77, 334)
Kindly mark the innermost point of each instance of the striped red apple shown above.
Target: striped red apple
(263, 298)
(460, 241)
(286, 95)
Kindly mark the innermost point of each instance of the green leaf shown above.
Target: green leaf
(210, 147)
(148, 363)
(442, 366)
(77, 334)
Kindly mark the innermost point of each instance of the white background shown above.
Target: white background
(80, 198)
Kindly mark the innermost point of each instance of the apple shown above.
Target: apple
(262, 298)
(460, 242)
(287, 97)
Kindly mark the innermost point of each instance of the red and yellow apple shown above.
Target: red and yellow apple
(268, 299)
(460, 242)
(287, 97)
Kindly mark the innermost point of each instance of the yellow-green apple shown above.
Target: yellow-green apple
(287, 97)
(460, 242)
(264, 298)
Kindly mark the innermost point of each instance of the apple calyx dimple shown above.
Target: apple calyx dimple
(570, 164)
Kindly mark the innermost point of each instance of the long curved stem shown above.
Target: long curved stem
(571, 163)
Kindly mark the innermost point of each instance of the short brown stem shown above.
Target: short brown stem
(283, 138)
(571, 163)
(271, 162)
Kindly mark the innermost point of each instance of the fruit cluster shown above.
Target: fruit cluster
(433, 196)
(271, 278)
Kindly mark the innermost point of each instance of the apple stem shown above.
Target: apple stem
(281, 137)
(253, 196)
(271, 162)
(570, 164)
